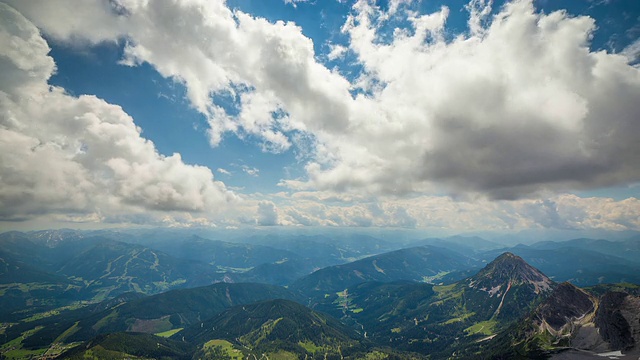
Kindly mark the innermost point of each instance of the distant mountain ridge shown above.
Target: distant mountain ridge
(418, 264)
(582, 267)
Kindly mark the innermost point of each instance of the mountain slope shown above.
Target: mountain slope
(130, 346)
(150, 314)
(272, 326)
(325, 250)
(512, 281)
(282, 273)
(26, 290)
(565, 306)
(438, 319)
(16, 271)
(46, 250)
(462, 244)
(417, 264)
(17, 246)
(628, 249)
(111, 267)
(221, 254)
(570, 323)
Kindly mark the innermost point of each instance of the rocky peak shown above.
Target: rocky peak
(509, 269)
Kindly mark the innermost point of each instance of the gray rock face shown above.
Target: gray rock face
(581, 325)
(630, 310)
(614, 327)
(564, 305)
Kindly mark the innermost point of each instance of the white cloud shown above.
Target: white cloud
(223, 171)
(446, 213)
(632, 51)
(93, 21)
(267, 214)
(80, 156)
(251, 171)
(269, 68)
(294, 2)
(394, 5)
(519, 105)
(516, 107)
(336, 52)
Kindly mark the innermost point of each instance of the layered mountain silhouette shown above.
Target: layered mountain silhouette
(417, 264)
(423, 302)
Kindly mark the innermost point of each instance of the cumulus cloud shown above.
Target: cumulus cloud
(80, 156)
(517, 105)
(268, 69)
(444, 213)
(97, 21)
(267, 214)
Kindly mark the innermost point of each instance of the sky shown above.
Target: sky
(437, 115)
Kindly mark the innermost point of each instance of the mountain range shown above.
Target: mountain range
(109, 296)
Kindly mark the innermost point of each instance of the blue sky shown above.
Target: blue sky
(159, 107)
(322, 113)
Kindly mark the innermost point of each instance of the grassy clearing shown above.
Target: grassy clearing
(19, 354)
(105, 320)
(54, 312)
(13, 349)
(460, 318)
(168, 333)
(26, 287)
(345, 303)
(446, 292)
(282, 355)
(225, 269)
(103, 293)
(56, 349)
(309, 346)
(151, 326)
(70, 331)
(164, 285)
(482, 328)
(432, 279)
(226, 347)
